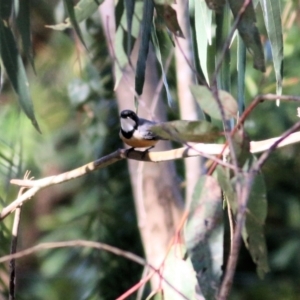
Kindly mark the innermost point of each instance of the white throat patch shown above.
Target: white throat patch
(127, 124)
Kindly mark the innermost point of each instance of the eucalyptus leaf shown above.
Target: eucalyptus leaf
(272, 17)
(16, 71)
(203, 234)
(146, 25)
(208, 103)
(248, 30)
(187, 131)
(180, 280)
(253, 231)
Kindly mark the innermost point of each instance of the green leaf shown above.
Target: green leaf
(253, 231)
(23, 23)
(187, 131)
(16, 72)
(5, 9)
(209, 104)
(241, 69)
(156, 45)
(203, 234)
(178, 285)
(121, 40)
(249, 32)
(272, 16)
(82, 10)
(129, 6)
(71, 12)
(146, 25)
(203, 27)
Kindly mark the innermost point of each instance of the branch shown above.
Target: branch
(206, 150)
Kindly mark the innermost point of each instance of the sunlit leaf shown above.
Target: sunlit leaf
(146, 25)
(179, 285)
(249, 32)
(208, 103)
(16, 72)
(253, 232)
(272, 16)
(203, 235)
(203, 27)
(187, 131)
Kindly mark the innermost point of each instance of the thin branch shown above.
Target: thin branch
(76, 243)
(199, 149)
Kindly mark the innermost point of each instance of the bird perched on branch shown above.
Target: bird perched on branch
(136, 132)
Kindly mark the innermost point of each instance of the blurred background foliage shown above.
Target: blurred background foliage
(76, 109)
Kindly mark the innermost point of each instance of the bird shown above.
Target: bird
(136, 132)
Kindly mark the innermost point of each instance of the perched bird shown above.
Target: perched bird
(136, 132)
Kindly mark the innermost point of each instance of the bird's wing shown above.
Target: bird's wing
(144, 129)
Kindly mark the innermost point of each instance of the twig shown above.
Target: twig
(198, 149)
(14, 243)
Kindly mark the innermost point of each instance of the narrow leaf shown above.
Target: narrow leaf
(203, 235)
(272, 16)
(16, 72)
(187, 131)
(129, 6)
(23, 23)
(71, 12)
(216, 5)
(146, 25)
(209, 104)
(156, 45)
(249, 32)
(203, 25)
(5, 9)
(253, 232)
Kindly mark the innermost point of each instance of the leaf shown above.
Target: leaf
(129, 5)
(209, 104)
(121, 40)
(179, 276)
(146, 25)
(71, 12)
(253, 231)
(187, 131)
(16, 72)
(5, 9)
(23, 23)
(249, 32)
(83, 9)
(169, 15)
(203, 234)
(203, 25)
(156, 45)
(272, 16)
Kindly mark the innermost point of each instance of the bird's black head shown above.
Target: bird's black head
(129, 120)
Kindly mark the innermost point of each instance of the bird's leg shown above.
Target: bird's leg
(129, 150)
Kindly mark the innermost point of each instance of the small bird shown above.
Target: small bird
(136, 132)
